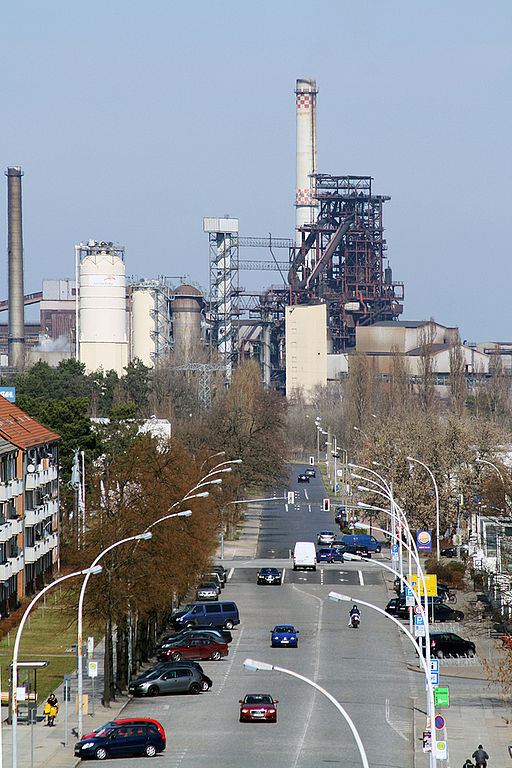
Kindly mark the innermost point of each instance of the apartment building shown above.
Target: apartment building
(29, 505)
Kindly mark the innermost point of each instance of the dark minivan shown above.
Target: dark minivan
(122, 740)
(214, 614)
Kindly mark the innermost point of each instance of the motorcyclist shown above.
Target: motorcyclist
(481, 757)
(354, 611)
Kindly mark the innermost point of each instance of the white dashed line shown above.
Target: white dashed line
(309, 507)
(232, 653)
(231, 572)
(283, 575)
(361, 580)
(306, 495)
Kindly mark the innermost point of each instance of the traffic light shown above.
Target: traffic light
(327, 505)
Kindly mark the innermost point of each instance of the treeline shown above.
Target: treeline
(133, 480)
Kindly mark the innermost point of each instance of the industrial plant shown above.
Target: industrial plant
(334, 278)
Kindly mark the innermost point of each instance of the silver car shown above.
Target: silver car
(207, 591)
(178, 680)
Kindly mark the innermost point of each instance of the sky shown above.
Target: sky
(133, 119)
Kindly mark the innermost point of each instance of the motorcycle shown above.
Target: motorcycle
(355, 620)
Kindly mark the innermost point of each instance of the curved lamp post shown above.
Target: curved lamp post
(140, 536)
(92, 570)
(337, 597)
(262, 665)
(490, 464)
(411, 458)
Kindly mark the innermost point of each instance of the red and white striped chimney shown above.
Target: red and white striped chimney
(305, 204)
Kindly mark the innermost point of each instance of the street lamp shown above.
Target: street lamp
(254, 666)
(410, 458)
(337, 597)
(140, 536)
(92, 570)
(486, 461)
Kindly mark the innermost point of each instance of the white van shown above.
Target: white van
(304, 555)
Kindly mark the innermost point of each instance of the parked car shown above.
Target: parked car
(443, 612)
(206, 682)
(215, 577)
(269, 576)
(218, 614)
(397, 607)
(221, 571)
(449, 552)
(303, 478)
(258, 706)
(122, 741)
(189, 634)
(436, 608)
(207, 591)
(284, 634)
(126, 721)
(354, 549)
(196, 648)
(177, 680)
(449, 644)
(310, 472)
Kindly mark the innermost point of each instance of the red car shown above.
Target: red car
(195, 648)
(125, 721)
(258, 706)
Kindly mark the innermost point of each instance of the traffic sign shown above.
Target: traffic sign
(418, 611)
(434, 665)
(430, 581)
(434, 678)
(439, 721)
(394, 547)
(93, 669)
(442, 697)
(441, 750)
(418, 620)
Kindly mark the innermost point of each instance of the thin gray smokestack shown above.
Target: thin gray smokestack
(16, 334)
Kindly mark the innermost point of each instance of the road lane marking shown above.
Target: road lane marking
(306, 495)
(322, 576)
(230, 663)
(399, 726)
(286, 507)
(283, 575)
(309, 507)
(300, 745)
(231, 572)
(361, 580)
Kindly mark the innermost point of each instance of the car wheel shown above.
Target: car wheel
(153, 690)
(189, 624)
(175, 656)
(150, 750)
(458, 617)
(100, 753)
(228, 624)
(215, 655)
(440, 654)
(195, 688)
(471, 654)
(377, 549)
(205, 686)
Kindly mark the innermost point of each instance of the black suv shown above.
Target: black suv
(444, 644)
(441, 612)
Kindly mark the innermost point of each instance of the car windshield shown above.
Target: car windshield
(284, 628)
(104, 730)
(258, 699)
(153, 675)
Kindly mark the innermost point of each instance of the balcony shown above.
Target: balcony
(14, 488)
(6, 571)
(40, 477)
(10, 528)
(34, 516)
(32, 554)
(18, 564)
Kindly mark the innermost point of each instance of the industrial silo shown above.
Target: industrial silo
(102, 307)
(186, 317)
(143, 323)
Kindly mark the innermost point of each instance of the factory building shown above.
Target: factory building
(306, 348)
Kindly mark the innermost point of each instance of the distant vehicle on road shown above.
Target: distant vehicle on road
(127, 721)
(304, 556)
(217, 614)
(303, 478)
(330, 555)
(449, 644)
(362, 540)
(284, 634)
(325, 537)
(258, 706)
(269, 576)
(436, 608)
(311, 472)
(207, 591)
(449, 552)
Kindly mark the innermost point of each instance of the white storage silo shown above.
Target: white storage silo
(102, 307)
(143, 324)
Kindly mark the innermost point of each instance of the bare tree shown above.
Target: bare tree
(458, 390)
(427, 365)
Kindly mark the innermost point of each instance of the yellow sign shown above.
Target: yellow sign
(431, 584)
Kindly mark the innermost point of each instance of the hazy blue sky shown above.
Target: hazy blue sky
(134, 119)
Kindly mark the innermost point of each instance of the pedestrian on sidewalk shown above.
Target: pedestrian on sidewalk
(481, 757)
(50, 709)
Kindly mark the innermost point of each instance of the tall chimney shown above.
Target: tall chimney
(305, 204)
(16, 333)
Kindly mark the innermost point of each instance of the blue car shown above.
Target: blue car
(122, 740)
(284, 634)
(330, 555)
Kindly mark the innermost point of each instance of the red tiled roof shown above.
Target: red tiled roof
(21, 429)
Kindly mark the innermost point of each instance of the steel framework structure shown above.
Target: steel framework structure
(341, 259)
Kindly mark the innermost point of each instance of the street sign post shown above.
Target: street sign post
(439, 721)
(441, 750)
(442, 696)
(427, 741)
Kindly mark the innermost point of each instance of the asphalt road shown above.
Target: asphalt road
(364, 669)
